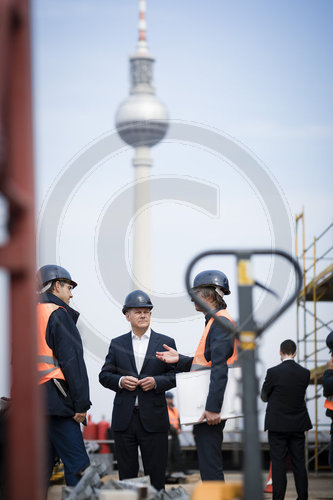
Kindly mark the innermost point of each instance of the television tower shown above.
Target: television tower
(142, 122)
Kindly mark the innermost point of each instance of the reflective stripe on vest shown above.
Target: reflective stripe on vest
(329, 403)
(48, 366)
(199, 361)
(173, 417)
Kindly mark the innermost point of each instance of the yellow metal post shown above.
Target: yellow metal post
(217, 490)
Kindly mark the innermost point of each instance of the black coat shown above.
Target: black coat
(284, 390)
(120, 362)
(64, 339)
(218, 348)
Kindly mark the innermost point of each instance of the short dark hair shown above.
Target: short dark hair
(52, 287)
(209, 293)
(288, 347)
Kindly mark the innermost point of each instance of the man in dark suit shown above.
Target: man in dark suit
(286, 420)
(140, 415)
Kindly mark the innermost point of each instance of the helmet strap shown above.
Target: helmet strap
(219, 291)
(46, 287)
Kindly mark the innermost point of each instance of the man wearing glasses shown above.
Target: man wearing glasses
(62, 371)
(139, 379)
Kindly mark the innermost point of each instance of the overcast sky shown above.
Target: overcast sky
(257, 72)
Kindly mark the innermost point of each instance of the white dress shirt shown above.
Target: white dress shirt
(140, 346)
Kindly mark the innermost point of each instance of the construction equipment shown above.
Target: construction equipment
(247, 332)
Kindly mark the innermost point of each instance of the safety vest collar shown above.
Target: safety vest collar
(50, 298)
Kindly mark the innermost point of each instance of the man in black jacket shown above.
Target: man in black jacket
(140, 415)
(286, 420)
(62, 371)
(214, 350)
(328, 392)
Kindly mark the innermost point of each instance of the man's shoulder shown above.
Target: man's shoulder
(294, 367)
(121, 338)
(275, 368)
(302, 368)
(165, 339)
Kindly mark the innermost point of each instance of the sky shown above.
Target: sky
(256, 73)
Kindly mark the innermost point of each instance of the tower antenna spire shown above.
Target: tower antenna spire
(142, 41)
(142, 122)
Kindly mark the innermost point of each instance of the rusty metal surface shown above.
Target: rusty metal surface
(17, 256)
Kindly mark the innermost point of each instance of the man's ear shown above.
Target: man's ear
(127, 316)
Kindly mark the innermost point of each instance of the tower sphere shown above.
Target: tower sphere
(142, 120)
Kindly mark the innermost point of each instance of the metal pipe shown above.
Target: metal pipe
(315, 350)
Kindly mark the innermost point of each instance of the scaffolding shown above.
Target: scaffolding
(314, 322)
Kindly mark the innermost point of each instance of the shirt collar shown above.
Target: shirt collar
(146, 335)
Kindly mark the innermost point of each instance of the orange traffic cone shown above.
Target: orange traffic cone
(269, 484)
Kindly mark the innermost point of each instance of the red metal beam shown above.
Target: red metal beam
(26, 429)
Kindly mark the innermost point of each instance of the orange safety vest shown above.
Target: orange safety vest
(48, 367)
(199, 360)
(173, 417)
(329, 403)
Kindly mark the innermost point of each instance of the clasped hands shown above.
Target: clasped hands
(131, 383)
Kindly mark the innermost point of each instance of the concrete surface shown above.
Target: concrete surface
(320, 486)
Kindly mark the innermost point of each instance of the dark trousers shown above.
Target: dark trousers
(154, 452)
(209, 440)
(175, 456)
(66, 442)
(282, 444)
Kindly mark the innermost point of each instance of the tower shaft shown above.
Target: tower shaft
(142, 254)
(142, 122)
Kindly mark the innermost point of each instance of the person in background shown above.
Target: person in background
(286, 420)
(175, 469)
(328, 392)
(62, 372)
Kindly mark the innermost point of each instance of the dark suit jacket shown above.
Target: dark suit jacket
(284, 390)
(120, 362)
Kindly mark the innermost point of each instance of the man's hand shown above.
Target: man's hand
(80, 417)
(147, 383)
(211, 417)
(129, 383)
(330, 364)
(169, 355)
